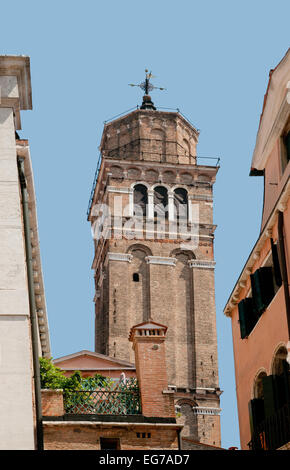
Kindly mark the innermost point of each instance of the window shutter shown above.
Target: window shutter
(247, 316)
(256, 413)
(270, 390)
(276, 264)
(262, 288)
(286, 382)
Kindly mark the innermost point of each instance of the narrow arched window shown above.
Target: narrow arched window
(160, 202)
(258, 385)
(136, 277)
(140, 199)
(181, 204)
(280, 361)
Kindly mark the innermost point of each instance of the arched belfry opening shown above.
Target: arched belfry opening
(140, 200)
(160, 203)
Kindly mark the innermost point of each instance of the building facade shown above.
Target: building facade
(152, 223)
(259, 305)
(22, 300)
(119, 417)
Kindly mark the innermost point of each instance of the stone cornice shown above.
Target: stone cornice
(205, 169)
(260, 157)
(203, 264)
(202, 410)
(161, 260)
(22, 149)
(274, 114)
(19, 67)
(120, 257)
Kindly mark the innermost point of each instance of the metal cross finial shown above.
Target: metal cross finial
(146, 85)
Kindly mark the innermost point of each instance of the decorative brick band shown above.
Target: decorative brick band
(204, 264)
(161, 260)
(199, 410)
(120, 257)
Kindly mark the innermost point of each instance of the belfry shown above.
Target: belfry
(151, 212)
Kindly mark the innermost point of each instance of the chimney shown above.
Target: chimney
(148, 340)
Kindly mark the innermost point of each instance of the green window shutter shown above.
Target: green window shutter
(272, 394)
(247, 316)
(242, 319)
(262, 288)
(256, 291)
(285, 383)
(276, 264)
(256, 413)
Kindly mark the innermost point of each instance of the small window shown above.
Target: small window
(110, 443)
(136, 277)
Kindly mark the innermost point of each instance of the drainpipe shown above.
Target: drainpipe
(32, 305)
(179, 439)
(284, 273)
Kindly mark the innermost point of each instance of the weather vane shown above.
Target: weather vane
(147, 87)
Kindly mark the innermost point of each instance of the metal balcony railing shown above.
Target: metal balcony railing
(273, 432)
(141, 155)
(122, 399)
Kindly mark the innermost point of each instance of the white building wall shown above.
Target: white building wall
(16, 410)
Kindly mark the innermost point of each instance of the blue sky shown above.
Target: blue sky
(212, 57)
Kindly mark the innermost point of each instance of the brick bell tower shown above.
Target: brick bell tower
(151, 214)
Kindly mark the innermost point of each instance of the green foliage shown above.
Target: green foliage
(91, 394)
(53, 377)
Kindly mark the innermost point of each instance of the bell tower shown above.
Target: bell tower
(151, 216)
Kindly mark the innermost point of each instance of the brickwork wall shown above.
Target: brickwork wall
(152, 377)
(52, 402)
(84, 436)
(189, 444)
(209, 429)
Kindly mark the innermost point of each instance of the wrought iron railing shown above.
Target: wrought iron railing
(137, 107)
(273, 432)
(121, 399)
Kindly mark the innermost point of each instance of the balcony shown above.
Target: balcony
(273, 432)
(120, 400)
